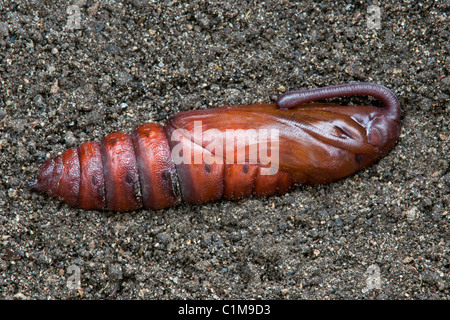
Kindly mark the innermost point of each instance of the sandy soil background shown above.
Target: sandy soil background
(72, 72)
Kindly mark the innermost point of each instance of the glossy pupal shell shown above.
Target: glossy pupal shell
(121, 173)
(227, 152)
(317, 143)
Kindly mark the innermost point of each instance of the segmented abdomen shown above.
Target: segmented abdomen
(127, 172)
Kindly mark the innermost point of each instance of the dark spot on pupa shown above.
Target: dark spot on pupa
(129, 179)
(358, 158)
(165, 176)
(207, 168)
(112, 142)
(245, 168)
(94, 180)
